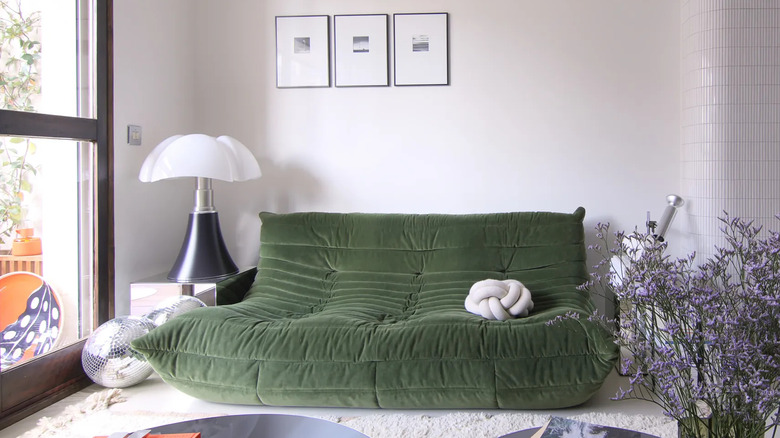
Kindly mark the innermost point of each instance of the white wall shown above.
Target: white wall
(154, 86)
(553, 104)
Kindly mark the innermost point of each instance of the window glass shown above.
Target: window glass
(47, 212)
(46, 49)
(45, 246)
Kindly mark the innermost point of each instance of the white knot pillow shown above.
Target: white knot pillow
(497, 299)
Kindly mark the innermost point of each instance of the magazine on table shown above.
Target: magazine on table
(558, 427)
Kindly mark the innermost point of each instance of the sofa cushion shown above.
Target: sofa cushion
(367, 310)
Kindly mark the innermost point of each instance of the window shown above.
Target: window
(56, 257)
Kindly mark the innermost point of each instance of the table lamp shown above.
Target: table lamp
(203, 255)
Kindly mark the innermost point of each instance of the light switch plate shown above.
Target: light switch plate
(134, 135)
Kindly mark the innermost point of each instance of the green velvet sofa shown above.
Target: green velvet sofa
(367, 310)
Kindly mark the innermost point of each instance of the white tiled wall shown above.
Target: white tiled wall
(731, 114)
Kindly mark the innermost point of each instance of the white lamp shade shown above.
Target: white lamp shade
(199, 155)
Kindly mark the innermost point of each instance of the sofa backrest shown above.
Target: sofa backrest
(541, 249)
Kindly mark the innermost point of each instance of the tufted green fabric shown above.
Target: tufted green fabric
(368, 310)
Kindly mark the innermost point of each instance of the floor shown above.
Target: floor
(155, 395)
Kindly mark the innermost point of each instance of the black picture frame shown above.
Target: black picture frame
(361, 50)
(303, 51)
(421, 49)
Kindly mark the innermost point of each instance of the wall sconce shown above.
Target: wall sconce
(674, 202)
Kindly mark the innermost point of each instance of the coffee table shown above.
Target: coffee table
(261, 426)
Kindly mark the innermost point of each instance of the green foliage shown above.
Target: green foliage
(14, 179)
(20, 55)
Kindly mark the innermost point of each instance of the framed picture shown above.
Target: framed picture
(361, 44)
(303, 51)
(421, 49)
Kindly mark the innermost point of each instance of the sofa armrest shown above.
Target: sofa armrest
(233, 289)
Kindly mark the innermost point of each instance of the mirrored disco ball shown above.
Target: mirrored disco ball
(107, 357)
(173, 307)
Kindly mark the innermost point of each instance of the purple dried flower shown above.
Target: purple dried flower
(704, 340)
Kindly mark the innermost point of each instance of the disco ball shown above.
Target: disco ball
(173, 307)
(107, 357)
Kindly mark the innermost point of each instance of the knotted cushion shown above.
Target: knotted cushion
(497, 299)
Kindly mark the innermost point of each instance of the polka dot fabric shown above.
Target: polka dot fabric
(37, 326)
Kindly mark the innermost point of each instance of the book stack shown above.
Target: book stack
(147, 434)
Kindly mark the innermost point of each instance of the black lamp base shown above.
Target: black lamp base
(203, 256)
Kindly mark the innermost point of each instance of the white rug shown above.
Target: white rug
(91, 418)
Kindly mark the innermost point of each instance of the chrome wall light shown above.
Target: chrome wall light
(674, 202)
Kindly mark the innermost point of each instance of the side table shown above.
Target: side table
(146, 293)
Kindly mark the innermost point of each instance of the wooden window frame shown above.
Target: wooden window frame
(38, 383)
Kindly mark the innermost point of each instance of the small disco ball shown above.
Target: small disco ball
(173, 307)
(107, 357)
